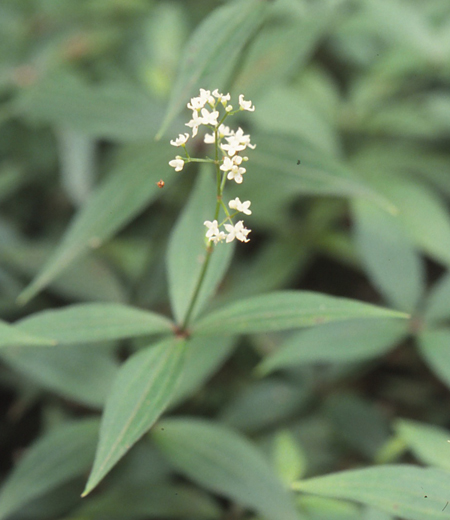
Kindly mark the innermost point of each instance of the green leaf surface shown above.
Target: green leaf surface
(213, 50)
(406, 491)
(59, 456)
(81, 373)
(204, 356)
(11, 336)
(117, 111)
(423, 215)
(434, 347)
(141, 392)
(89, 322)
(341, 342)
(286, 310)
(391, 261)
(150, 500)
(127, 190)
(187, 250)
(427, 442)
(226, 463)
(317, 173)
(437, 304)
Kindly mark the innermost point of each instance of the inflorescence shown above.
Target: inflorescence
(228, 146)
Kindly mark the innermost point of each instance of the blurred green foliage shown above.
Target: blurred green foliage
(350, 190)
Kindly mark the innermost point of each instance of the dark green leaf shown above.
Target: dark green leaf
(143, 389)
(286, 310)
(408, 492)
(226, 463)
(89, 322)
(59, 456)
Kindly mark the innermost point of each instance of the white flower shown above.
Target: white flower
(224, 130)
(209, 138)
(231, 165)
(243, 207)
(237, 231)
(177, 163)
(195, 122)
(213, 233)
(209, 118)
(199, 102)
(245, 105)
(180, 140)
(237, 142)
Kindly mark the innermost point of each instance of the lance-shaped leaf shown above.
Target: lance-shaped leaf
(213, 50)
(91, 322)
(338, 342)
(127, 190)
(57, 457)
(187, 251)
(140, 394)
(287, 310)
(405, 491)
(11, 336)
(429, 443)
(226, 463)
(434, 347)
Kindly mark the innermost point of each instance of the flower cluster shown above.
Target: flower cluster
(228, 145)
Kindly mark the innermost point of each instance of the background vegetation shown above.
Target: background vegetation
(350, 188)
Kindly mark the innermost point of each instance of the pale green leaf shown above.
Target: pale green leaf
(317, 173)
(57, 457)
(11, 336)
(225, 463)
(127, 190)
(391, 261)
(89, 322)
(286, 310)
(341, 342)
(404, 491)
(149, 500)
(117, 111)
(434, 347)
(142, 391)
(81, 373)
(321, 508)
(187, 251)
(289, 458)
(430, 444)
(204, 356)
(213, 50)
(437, 304)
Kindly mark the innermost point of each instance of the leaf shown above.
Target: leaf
(404, 491)
(11, 336)
(427, 442)
(90, 322)
(340, 342)
(433, 346)
(59, 456)
(437, 306)
(187, 250)
(419, 206)
(289, 459)
(225, 463)
(141, 392)
(317, 174)
(388, 255)
(117, 111)
(82, 372)
(213, 50)
(128, 189)
(286, 310)
(150, 500)
(204, 356)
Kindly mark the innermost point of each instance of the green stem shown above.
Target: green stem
(209, 251)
